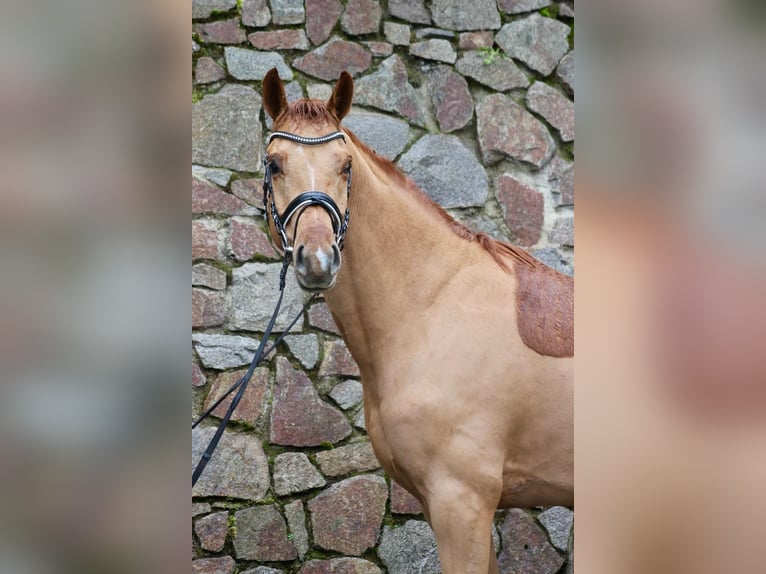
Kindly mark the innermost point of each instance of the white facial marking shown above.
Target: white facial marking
(324, 260)
(312, 177)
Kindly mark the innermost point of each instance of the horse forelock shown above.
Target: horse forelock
(302, 112)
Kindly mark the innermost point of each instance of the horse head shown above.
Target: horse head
(308, 179)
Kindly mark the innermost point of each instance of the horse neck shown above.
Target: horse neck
(399, 253)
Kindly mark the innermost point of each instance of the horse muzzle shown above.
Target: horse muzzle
(316, 264)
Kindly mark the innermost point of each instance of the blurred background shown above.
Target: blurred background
(94, 314)
(671, 378)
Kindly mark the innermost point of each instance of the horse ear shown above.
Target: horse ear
(339, 103)
(274, 98)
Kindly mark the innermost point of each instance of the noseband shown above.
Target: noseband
(306, 199)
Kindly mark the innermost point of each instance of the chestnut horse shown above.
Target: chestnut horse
(464, 343)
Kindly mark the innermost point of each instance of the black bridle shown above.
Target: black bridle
(296, 208)
(306, 199)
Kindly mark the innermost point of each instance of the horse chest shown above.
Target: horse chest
(400, 437)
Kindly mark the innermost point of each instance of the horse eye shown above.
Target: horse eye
(347, 169)
(274, 167)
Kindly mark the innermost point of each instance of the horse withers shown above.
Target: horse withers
(465, 344)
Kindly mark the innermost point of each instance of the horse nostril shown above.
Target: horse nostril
(335, 258)
(300, 264)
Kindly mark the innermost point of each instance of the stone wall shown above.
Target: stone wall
(474, 101)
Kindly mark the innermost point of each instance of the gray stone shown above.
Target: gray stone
(434, 32)
(208, 308)
(321, 17)
(340, 566)
(500, 73)
(224, 351)
(505, 128)
(208, 276)
(553, 258)
(296, 522)
(558, 522)
(525, 546)
(262, 535)
(253, 401)
(200, 508)
(337, 360)
(347, 459)
(346, 517)
(238, 468)
(249, 190)
(446, 171)
(293, 472)
(211, 531)
(566, 11)
(476, 40)
(305, 348)
(359, 420)
(216, 175)
(207, 198)
(410, 10)
(221, 32)
(379, 49)
(319, 91)
(409, 549)
(205, 8)
(262, 570)
(565, 71)
(397, 34)
(208, 71)
(205, 239)
(361, 17)
(226, 131)
(336, 56)
(537, 41)
(255, 13)
(386, 135)
(520, 6)
(222, 565)
(554, 106)
(437, 49)
(461, 15)
(347, 394)
(287, 12)
(195, 47)
(451, 98)
(246, 64)
(298, 416)
(561, 179)
(563, 231)
(279, 40)
(253, 296)
(389, 89)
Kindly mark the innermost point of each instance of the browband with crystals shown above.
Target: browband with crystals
(305, 140)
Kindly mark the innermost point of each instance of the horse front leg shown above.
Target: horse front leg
(461, 518)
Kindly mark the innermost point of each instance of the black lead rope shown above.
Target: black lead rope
(245, 380)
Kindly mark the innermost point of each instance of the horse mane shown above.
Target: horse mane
(498, 250)
(307, 110)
